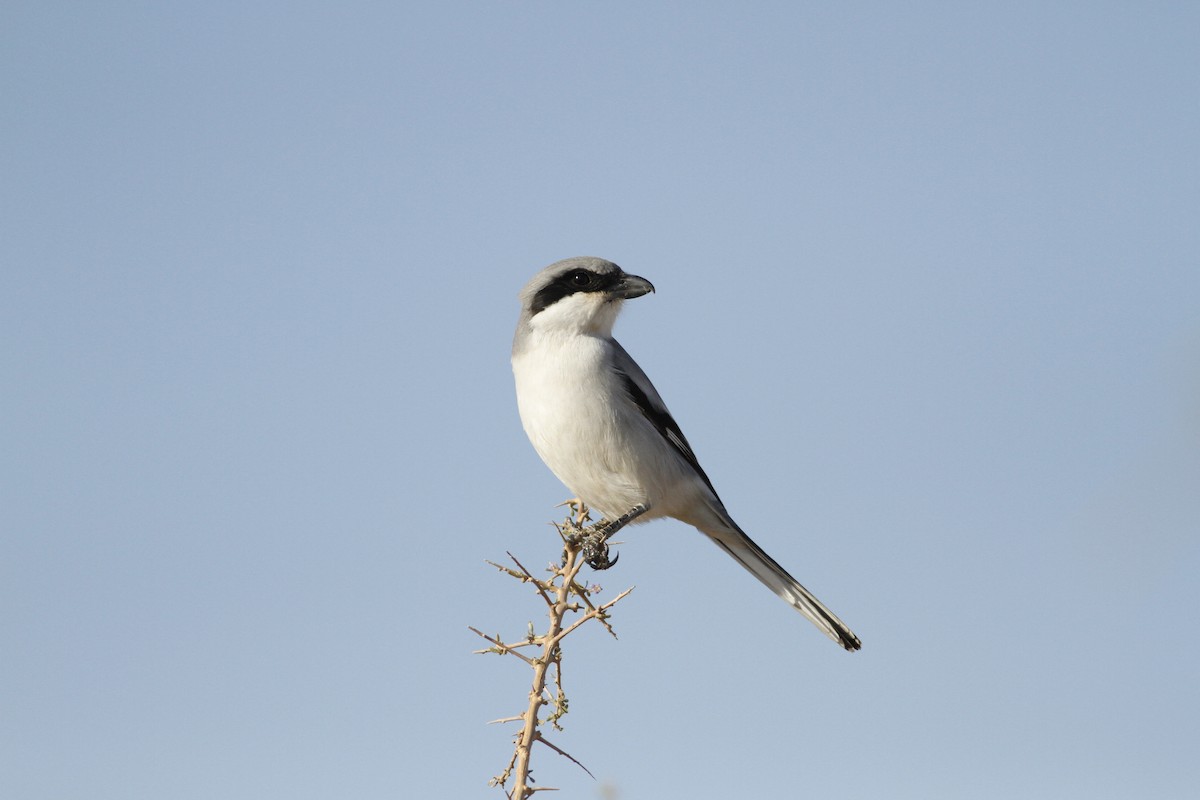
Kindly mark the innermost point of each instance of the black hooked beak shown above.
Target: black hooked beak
(631, 286)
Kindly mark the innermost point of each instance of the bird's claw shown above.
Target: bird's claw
(593, 540)
(592, 543)
(595, 552)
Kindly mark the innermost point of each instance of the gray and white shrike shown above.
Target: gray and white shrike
(602, 428)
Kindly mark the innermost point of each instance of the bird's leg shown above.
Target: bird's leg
(607, 527)
(595, 540)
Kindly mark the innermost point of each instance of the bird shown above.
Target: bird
(601, 427)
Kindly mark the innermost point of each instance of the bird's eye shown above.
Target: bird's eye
(580, 278)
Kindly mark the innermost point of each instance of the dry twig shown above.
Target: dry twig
(563, 596)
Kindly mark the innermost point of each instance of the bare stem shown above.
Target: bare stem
(556, 591)
(529, 731)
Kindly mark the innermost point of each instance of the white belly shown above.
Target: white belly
(585, 440)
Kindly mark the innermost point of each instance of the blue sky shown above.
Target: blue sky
(927, 310)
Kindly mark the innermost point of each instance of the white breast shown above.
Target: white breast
(564, 394)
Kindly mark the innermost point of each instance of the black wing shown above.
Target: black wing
(643, 394)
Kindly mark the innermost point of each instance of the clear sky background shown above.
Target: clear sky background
(928, 309)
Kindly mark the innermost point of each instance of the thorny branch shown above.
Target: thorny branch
(563, 596)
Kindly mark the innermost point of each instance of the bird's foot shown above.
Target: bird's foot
(592, 543)
(595, 552)
(595, 538)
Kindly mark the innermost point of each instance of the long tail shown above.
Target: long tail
(734, 541)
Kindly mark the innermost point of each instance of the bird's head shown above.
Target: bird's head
(579, 295)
